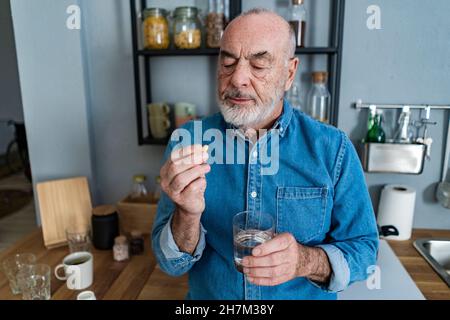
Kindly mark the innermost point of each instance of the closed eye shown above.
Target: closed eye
(229, 65)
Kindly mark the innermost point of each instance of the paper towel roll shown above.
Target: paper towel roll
(396, 208)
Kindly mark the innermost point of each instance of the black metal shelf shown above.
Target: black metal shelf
(215, 52)
(179, 52)
(142, 58)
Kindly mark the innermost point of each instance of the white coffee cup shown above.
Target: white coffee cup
(86, 295)
(78, 270)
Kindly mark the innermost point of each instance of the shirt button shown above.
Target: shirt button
(255, 154)
(281, 129)
(254, 194)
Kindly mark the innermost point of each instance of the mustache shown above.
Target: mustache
(236, 93)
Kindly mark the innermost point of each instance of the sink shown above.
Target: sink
(436, 252)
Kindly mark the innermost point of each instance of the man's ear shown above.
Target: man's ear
(292, 71)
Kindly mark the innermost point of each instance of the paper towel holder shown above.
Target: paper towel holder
(386, 231)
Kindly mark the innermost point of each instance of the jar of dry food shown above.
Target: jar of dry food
(155, 28)
(187, 31)
(215, 23)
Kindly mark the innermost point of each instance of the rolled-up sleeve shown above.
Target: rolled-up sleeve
(340, 273)
(352, 242)
(170, 249)
(171, 260)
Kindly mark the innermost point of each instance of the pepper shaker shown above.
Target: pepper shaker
(136, 243)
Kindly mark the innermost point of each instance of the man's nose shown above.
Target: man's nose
(240, 77)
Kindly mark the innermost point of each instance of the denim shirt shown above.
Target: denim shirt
(318, 194)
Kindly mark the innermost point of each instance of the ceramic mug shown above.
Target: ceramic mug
(86, 295)
(158, 109)
(159, 120)
(184, 112)
(159, 127)
(78, 270)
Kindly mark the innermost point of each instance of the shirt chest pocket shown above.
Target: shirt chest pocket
(301, 211)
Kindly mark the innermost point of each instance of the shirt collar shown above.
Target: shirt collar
(282, 122)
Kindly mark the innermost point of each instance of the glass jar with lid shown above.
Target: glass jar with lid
(187, 28)
(215, 23)
(155, 28)
(139, 191)
(319, 97)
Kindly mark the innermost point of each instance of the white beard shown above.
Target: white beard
(246, 117)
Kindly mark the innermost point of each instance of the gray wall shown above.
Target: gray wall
(53, 90)
(10, 100)
(406, 61)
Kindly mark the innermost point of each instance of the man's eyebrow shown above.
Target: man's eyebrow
(261, 55)
(226, 54)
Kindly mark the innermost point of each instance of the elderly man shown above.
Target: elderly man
(325, 230)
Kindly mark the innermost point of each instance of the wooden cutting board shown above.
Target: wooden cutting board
(63, 203)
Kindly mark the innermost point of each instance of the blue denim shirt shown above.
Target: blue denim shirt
(318, 194)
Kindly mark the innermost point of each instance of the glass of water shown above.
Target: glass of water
(250, 229)
(79, 238)
(12, 265)
(35, 282)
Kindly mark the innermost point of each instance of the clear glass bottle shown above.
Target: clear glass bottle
(215, 23)
(155, 28)
(139, 191)
(404, 132)
(297, 20)
(294, 96)
(319, 98)
(187, 28)
(121, 249)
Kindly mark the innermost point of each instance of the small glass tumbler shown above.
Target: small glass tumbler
(35, 282)
(79, 238)
(12, 265)
(250, 229)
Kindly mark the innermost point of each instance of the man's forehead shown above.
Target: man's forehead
(248, 46)
(253, 35)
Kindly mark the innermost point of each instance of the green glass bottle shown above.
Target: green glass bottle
(376, 133)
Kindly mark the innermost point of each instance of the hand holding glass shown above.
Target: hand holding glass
(250, 229)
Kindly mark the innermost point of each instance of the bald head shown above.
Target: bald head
(263, 21)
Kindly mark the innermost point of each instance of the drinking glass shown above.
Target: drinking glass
(250, 229)
(35, 282)
(79, 238)
(12, 265)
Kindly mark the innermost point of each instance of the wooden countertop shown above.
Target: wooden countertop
(426, 279)
(140, 278)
